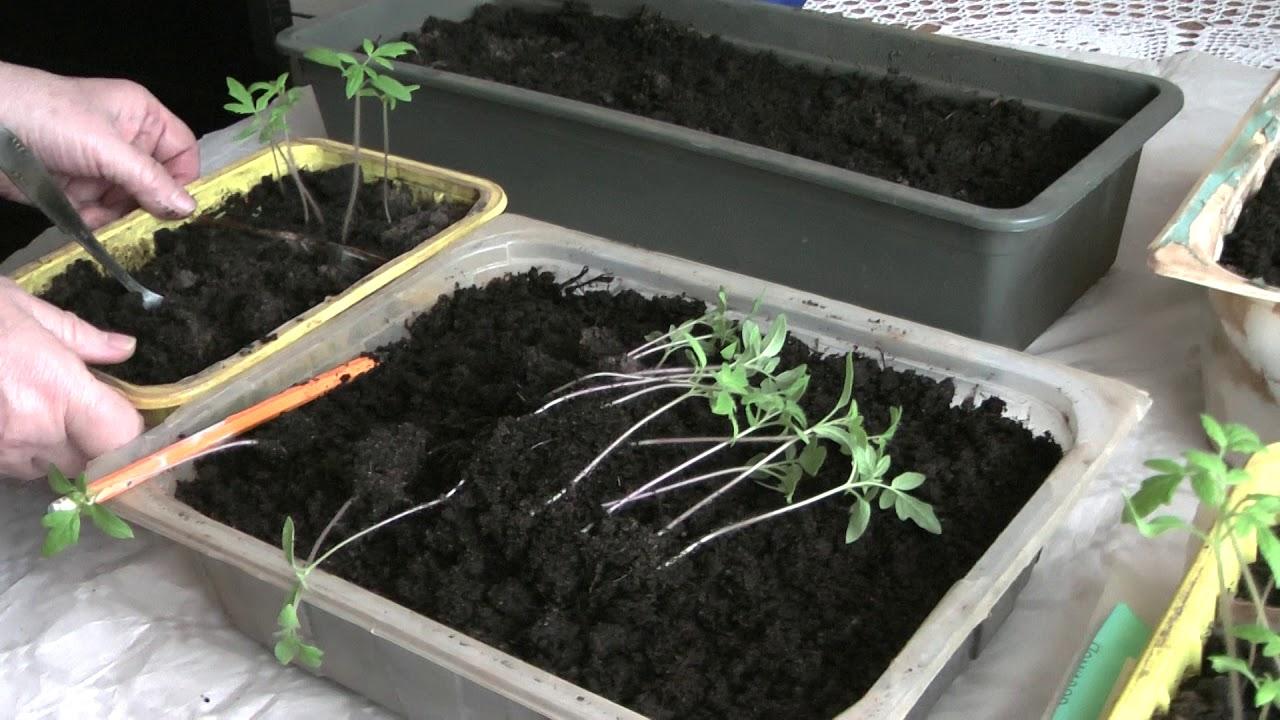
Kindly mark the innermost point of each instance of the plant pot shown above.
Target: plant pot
(1176, 647)
(1242, 364)
(997, 275)
(132, 241)
(420, 668)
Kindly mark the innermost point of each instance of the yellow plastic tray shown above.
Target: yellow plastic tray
(1176, 646)
(131, 240)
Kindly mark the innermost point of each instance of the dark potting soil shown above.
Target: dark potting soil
(225, 289)
(1207, 695)
(992, 153)
(1252, 249)
(782, 620)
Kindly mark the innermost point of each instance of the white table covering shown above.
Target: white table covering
(130, 630)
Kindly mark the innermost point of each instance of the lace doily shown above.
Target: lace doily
(1243, 31)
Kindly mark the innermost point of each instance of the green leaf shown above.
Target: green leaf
(731, 378)
(367, 46)
(837, 435)
(1161, 525)
(238, 108)
(310, 656)
(1241, 439)
(288, 619)
(1223, 664)
(286, 542)
(882, 467)
(699, 355)
(81, 484)
(1269, 549)
(395, 49)
(1253, 633)
(286, 650)
(1214, 431)
(789, 481)
(921, 513)
(59, 482)
(109, 523)
(1155, 492)
(1165, 467)
(1272, 649)
(859, 517)
(382, 62)
(1211, 464)
(907, 481)
(1210, 491)
(846, 390)
(1235, 476)
(238, 92)
(729, 351)
(324, 56)
(777, 337)
(1267, 692)
(812, 458)
(887, 500)
(355, 80)
(722, 404)
(63, 533)
(247, 132)
(57, 518)
(751, 337)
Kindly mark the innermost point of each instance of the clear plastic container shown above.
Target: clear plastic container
(421, 668)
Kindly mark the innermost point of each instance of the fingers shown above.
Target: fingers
(99, 419)
(144, 178)
(95, 216)
(176, 148)
(88, 342)
(165, 138)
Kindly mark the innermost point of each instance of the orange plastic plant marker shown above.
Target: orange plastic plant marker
(139, 471)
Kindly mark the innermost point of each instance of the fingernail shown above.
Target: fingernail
(182, 203)
(121, 342)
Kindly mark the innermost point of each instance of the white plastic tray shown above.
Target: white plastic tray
(421, 668)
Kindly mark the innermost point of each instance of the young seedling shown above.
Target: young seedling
(726, 386)
(63, 518)
(1211, 479)
(761, 405)
(364, 80)
(64, 515)
(269, 104)
(290, 645)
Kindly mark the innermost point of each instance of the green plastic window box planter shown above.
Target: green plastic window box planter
(1000, 275)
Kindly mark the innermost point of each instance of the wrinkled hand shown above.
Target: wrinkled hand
(52, 409)
(110, 144)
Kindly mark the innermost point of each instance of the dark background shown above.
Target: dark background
(181, 51)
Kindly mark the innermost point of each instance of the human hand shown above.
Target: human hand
(53, 411)
(109, 143)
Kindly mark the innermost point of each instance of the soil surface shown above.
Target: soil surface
(1207, 695)
(225, 289)
(781, 620)
(992, 153)
(1253, 247)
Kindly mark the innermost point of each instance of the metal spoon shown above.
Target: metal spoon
(29, 174)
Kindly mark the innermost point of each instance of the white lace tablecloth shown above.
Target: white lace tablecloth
(132, 630)
(1243, 31)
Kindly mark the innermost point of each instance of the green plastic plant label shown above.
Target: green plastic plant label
(1120, 639)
